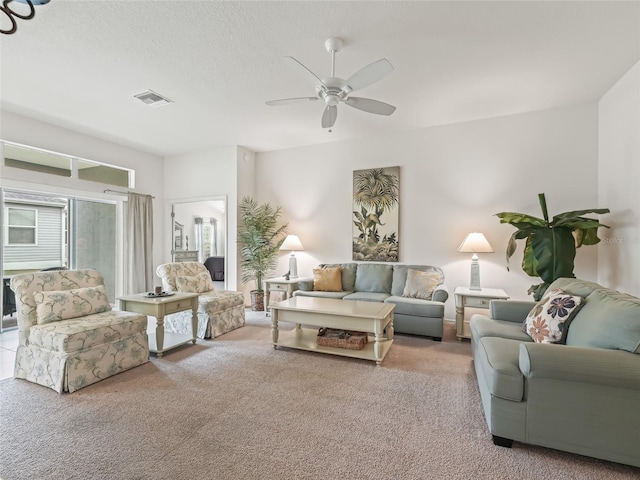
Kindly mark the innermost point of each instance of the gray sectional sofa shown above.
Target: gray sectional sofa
(384, 282)
(581, 396)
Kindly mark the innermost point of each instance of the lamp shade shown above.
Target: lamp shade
(292, 243)
(475, 242)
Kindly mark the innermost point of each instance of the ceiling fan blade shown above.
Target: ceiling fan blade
(371, 106)
(370, 74)
(329, 116)
(303, 71)
(289, 101)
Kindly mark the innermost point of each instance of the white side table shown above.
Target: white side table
(281, 284)
(469, 302)
(158, 307)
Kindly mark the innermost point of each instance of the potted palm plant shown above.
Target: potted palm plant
(259, 239)
(550, 246)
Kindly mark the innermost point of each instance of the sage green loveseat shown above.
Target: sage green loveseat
(582, 396)
(385, 282)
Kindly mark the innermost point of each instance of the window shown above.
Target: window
(21, 226)
(51, 163)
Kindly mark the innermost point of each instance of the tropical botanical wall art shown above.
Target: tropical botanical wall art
(376, 194)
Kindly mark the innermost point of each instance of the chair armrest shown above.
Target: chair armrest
(440, 294)
(614, 368)
(510, 310)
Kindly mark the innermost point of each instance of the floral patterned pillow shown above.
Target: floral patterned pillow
(547, 321)
(56, 305)
(199, 283)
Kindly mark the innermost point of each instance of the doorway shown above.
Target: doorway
(199, 233)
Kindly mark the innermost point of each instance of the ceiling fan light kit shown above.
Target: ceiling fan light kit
(334, 90)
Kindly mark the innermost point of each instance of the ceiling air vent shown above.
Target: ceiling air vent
(152, 99)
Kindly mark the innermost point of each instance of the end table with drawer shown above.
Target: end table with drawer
(281, 284)
(158, 307)
(470, 302)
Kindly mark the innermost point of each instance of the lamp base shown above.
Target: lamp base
(474, 283)
(293, 266)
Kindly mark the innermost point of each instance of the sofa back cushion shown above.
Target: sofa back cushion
(608, 319)
(400, 276)
(198, 283)
(374, 277)
(168, 273)
(347, 272)
(56, 305)
(26, 284)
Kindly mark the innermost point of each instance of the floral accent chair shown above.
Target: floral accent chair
(219, 311)
(69, 337)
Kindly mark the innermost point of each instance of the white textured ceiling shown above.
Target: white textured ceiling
(78, 64)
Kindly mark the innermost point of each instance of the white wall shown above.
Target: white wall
(619, 184)
(453, 179)
(202, 175)
(149, 176)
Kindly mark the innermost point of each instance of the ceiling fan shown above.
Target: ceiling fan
(334, 90)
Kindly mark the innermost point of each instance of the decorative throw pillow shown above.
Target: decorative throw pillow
(199, 283)
(56, 305)
(420, 284)
(546, 321)
(327, 279)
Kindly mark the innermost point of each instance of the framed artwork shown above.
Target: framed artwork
(376, 196)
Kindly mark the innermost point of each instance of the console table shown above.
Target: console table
(161, 341)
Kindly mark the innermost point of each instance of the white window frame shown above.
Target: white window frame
(9, 226)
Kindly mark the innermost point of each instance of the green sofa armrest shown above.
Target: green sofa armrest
(510, 310)
(614, 368)
(440, 294)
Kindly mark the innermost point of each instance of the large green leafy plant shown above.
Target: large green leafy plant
(259, 238)
(550, 246)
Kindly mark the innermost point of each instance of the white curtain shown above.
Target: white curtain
(139, 245)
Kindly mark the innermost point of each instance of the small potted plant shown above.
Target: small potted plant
(259, 239)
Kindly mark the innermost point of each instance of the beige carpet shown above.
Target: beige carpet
(234, 408)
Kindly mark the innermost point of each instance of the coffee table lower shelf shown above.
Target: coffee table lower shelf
(305, 339)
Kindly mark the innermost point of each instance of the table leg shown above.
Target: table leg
(377, 347)
(160, 334)
(194, 322)
(274, 330)
(390, 330)
(267, 294)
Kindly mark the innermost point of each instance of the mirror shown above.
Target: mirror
(200, 234)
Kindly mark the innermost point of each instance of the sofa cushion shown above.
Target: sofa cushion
(367, 296)
(498, 358)
(400, 276)
(482, 326)
(56, 305)
(607, 321)
(416, 307)
(311, 293)
(81, 333)
(347, 272)
(420, 284)
(198, 283)
(547, 319)
(374, 278)
(327, 279)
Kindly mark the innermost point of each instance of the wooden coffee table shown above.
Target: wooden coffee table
(371, 317)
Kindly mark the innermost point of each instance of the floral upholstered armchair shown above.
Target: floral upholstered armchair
(219, 311)
(69, 337)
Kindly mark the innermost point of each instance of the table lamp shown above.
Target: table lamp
(292, 242)
(475, 243)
